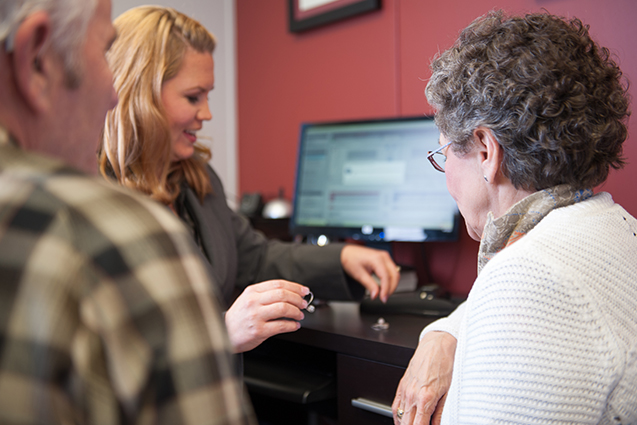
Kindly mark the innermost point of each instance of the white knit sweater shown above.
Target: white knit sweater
(548, 334)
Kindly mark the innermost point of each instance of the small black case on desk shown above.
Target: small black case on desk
(422, 302)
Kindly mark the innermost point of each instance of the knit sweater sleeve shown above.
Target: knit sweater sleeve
(449, 324)
(535, 345)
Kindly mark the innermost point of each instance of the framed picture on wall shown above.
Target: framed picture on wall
(307, 14)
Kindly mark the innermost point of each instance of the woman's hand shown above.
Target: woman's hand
(263, 310)
(360, 262)
(423, 389)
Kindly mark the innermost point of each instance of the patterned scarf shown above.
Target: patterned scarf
(522, 217)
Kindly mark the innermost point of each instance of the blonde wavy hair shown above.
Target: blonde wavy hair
(136, 142)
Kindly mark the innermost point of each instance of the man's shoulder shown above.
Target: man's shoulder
(50, 188)
(117, 213)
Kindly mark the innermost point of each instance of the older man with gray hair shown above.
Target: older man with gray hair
(106, 314)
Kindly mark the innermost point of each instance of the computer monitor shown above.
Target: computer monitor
(371, 181)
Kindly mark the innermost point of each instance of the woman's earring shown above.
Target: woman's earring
(486, 179)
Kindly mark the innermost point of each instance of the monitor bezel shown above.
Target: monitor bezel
(355, 233)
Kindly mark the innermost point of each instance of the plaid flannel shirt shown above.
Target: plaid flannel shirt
(106, 311)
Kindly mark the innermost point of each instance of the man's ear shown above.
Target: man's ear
(32, 60)
(491, 153)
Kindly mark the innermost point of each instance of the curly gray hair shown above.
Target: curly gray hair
(70, 19)
(554, 99)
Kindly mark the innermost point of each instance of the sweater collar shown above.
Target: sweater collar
(503, 231)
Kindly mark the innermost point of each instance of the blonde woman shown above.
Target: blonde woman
(163, 73)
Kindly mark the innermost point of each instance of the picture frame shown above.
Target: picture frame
(308, 14)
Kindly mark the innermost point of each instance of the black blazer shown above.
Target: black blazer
(240, 255)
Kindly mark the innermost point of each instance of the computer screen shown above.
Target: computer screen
(371, 181)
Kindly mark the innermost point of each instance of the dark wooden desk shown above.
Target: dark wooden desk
(337, 341)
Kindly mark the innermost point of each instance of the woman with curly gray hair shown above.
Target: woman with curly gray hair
(532, 114)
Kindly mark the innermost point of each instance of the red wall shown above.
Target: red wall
(376, 65)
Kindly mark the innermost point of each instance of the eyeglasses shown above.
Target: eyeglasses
(440, 166)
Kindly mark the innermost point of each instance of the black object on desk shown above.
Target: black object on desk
(423, 302)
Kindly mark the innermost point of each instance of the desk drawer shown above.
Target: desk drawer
(364, 380)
